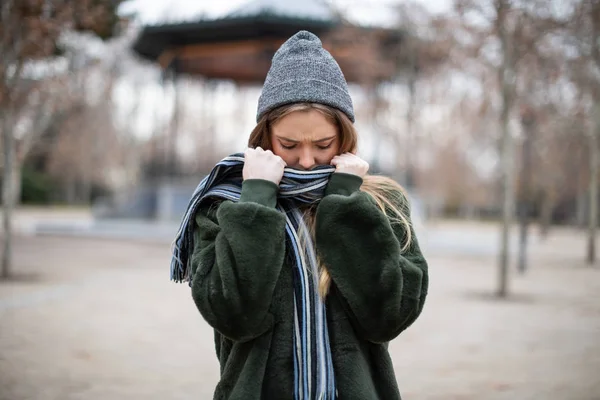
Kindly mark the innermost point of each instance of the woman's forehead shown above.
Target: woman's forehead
(304, 123)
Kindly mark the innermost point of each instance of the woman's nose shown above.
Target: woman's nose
(307, 160)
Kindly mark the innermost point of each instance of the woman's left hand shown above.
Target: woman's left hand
(349, 163)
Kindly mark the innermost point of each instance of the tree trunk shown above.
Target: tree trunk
(546, 212)
(17, 176)
(8, 194)
(581, 209)
(506, 78)
(593, 200)
(594, 130)
(410, 146)
(508, 202)
(528, 123)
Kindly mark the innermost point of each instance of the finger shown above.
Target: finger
(346, 156)
(341, 159)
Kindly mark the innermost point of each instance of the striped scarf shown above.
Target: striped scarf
(313, 366)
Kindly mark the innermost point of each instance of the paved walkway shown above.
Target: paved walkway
(99, 320)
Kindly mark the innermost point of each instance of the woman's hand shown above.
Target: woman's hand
(263, 164)
(349, 163)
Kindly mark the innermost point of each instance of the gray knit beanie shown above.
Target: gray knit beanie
(303, 71)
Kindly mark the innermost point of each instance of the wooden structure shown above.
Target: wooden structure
(240, 46)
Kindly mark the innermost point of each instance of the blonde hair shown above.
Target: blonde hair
(387, 193)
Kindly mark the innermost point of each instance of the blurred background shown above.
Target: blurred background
(111, 112)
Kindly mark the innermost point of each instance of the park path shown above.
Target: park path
(98, 319)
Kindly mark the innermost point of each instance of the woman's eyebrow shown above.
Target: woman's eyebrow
(324, 139)
(314, 141)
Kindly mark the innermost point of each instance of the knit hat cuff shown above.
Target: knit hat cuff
(305, 90)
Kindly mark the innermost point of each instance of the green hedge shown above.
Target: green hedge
(37, 187)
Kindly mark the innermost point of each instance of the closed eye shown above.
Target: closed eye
(326, 146)
(289, 147)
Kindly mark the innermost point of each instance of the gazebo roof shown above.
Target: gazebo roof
(254, 20)
(240, 45)
(316, 10)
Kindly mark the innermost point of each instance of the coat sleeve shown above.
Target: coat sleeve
(382, 288)
(239, 251)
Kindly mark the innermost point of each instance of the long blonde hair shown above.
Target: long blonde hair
(387, 193)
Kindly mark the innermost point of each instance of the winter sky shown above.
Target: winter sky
(366, 11)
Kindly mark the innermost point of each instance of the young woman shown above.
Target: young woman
(304, 265)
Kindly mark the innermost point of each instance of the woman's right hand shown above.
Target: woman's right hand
(263, 164)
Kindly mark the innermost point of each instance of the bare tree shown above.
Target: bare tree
(496, 24)
(500, 34)
(583, 42)
(30, 31)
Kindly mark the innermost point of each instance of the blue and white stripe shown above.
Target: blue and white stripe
(313, 365)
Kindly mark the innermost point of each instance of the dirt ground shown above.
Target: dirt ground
(99, 320)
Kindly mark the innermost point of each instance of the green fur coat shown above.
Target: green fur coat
(242, 286)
